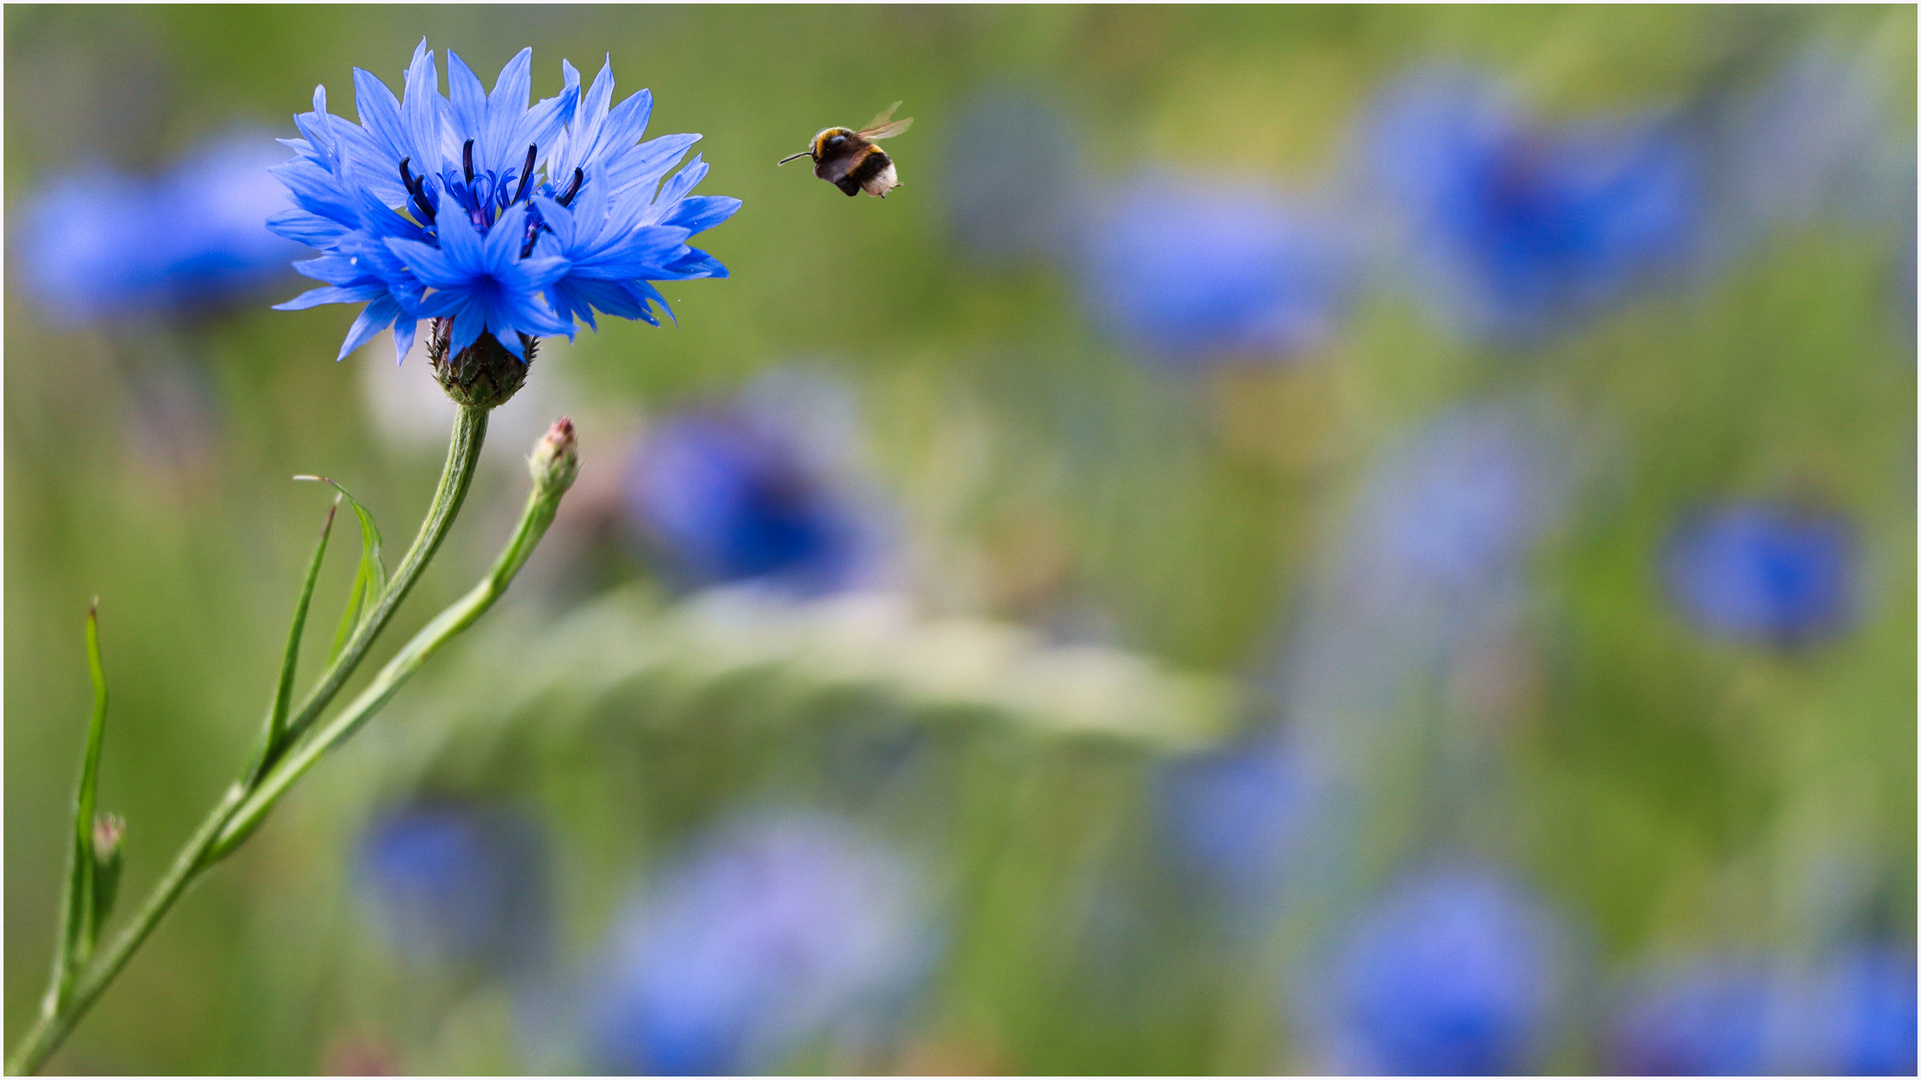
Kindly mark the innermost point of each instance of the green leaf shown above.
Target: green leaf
(369, 580)
(276, 726)
(78, 928)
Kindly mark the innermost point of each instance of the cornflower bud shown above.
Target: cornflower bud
(108, 831)
(556, 458)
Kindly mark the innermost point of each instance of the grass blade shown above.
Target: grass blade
(369, 580)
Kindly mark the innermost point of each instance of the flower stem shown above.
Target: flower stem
(539, 513)
(246, 802)
(463, 453)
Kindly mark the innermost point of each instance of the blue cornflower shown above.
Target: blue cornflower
(1453, 972)
(770, 932)
(1517, 230)
(102, 245)
(505, 221)
(1237, 817)
(1204, 275)
(730, 494)
(1851, 1013)
(1764, 571)
(1706, 1018)
(1433, 562)
(455, 882)
(1855, 1015)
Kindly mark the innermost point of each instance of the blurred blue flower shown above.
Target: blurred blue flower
(1856, 1015)
(1015, 177)
(1237, 817)
(431, 206)
(1706, 1018)
(1516, 229)
(102, 245)
(768, 933)
(1771, 572)
(1432, 561)
(457, 883)
(1194, 276)
(1853, 1014)
(726, 495)
(1454, 972)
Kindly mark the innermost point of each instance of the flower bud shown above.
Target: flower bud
(483, 375)
(108, 831)
(556, 459)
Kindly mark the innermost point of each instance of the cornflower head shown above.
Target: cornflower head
(773, 931)
(199, 223)
(749, 490)
(452, 883)
(1773, 572)
(1196, 277)
(1454, 971)
(500, 221)
(1518, 230)
(1705, 1017)
(1238, 817)
(1855, 1013)
(1433, 559)
(1850, 1012)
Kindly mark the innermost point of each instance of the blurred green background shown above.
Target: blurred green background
(1661, 789)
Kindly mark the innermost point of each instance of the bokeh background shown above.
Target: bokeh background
(1300, 539)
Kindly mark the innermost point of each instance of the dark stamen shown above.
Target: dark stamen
(467, 159)
(573, 188)
(417, 187)
(526, 175)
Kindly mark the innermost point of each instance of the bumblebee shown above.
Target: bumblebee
(850, 161)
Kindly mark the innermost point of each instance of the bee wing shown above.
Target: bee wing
(879, 128)
(887, 131)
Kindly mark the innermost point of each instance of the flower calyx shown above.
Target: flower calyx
(484, 375)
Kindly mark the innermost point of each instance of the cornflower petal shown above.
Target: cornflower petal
(505, 106)
(307, 228)
(474, 228)
(468, 98)
(421, 111)
(372, 320)
(380, 114)
(702, 212)
(330, 294)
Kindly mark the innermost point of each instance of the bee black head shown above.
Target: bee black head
(831, 141)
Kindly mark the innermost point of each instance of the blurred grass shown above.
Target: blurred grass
(1188, 510)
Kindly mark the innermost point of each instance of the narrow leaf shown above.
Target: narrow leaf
(369, 580)
(77, 931)
(276, 727)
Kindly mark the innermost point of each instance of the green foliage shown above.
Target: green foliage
(272, 740)
(370, 575)
(92, 874)
(1669, 792)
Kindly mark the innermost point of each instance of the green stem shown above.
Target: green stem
(52, 1026)
(463, 453)
(539, 513)
(214, 840)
